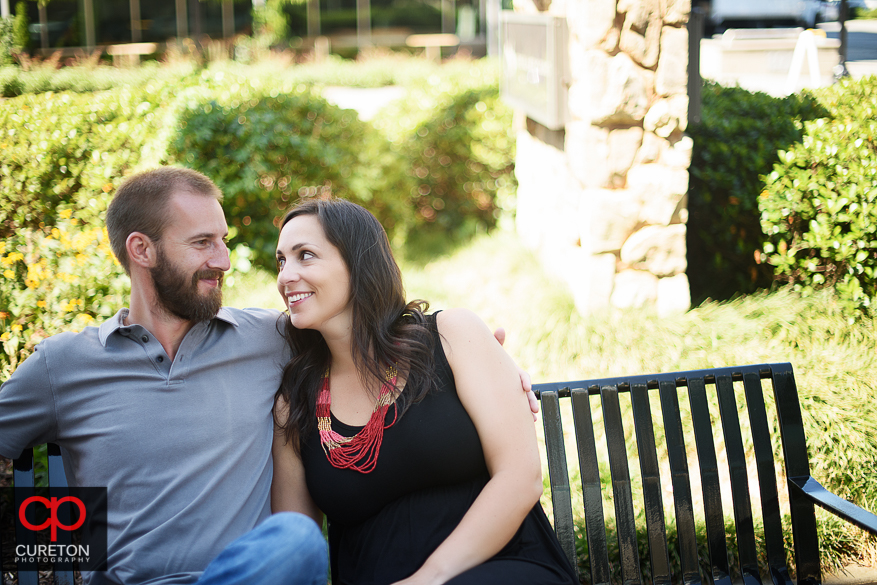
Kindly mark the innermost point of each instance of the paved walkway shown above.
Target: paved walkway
(366, 101)
(855, 575)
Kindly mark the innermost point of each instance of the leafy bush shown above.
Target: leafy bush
(20, 33)
(54, 280)
(266, 146)
(452, 152)
(70, 148)
(45, 77)
(736, 143)
(819, 207)
(5, 46)
(265, 138)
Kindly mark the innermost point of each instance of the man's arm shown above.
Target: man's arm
(27, 413)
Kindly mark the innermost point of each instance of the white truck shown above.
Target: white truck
(723, 14)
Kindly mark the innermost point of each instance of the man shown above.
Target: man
(168, 405)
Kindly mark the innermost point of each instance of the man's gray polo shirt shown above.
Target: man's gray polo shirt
(183, 447)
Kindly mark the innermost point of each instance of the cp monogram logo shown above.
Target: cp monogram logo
(52, 505)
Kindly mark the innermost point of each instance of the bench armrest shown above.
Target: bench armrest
(814, 491)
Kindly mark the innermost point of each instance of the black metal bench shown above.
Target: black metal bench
(23, 477)
(803, 490)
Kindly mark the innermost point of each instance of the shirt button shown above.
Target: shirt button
(145, 338)
(160, 359)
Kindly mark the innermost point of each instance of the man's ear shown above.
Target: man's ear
(141, 250)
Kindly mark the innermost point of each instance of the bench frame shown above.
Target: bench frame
(804, 491)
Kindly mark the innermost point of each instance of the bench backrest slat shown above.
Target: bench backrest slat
(23, 477)
(625, 519)
(595, 527)
(709, 480)
(682, 500)
(558, 474)
(58, 484)
(767, 485)
(745, 525)
(797, 465)
(651, 478)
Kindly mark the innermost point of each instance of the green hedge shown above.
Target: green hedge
(451, 151)
(736, 143)
(783, 190)
(15, 81)
(265, 138)
(267, 146)
(71, 148)
(819, 207)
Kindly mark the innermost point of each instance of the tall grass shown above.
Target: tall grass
(834, 358)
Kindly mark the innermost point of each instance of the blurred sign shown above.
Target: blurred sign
(535, 58)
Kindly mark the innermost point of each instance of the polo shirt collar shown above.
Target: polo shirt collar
(113, 324)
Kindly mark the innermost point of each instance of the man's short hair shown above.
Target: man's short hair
(141, 204)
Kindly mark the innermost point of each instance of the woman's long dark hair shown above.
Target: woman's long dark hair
(386, 329)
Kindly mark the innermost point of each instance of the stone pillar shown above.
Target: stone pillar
(604, 200)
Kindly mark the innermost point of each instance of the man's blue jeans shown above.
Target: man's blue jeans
(286, 549)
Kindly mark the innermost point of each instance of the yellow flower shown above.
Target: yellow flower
(31, 284)
(41, 304)
(16, 328)
(2, 247)
(72, 304)
(4, 337)
(66, 213)
(8, 274)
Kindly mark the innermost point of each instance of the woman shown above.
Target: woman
(408, 430)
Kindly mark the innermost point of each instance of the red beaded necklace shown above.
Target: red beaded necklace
(359, 452)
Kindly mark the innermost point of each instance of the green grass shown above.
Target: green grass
(834, 358)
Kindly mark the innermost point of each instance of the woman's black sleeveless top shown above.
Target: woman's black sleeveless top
(384, 524)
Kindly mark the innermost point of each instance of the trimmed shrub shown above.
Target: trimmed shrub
(819, 206)
(734, 146)
(55, 280)
(266, 146)
(6, 44)
(15, 81)
(70, 148)
(20, 32)
(266, 141)
(452, 151)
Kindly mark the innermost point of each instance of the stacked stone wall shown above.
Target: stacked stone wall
(604, 200)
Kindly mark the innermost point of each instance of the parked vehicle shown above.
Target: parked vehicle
(723, 14)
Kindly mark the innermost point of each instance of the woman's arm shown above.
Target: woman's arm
(289, 492)
(489, 387)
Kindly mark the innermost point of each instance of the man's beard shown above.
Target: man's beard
(179, 296)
